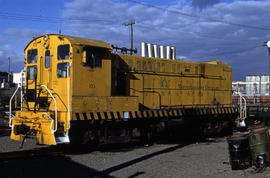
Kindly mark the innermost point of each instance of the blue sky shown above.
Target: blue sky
(226, 30)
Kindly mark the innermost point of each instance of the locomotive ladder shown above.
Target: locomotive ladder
(10, 106)
(62, 139)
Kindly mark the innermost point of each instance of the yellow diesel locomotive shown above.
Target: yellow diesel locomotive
(78, 90)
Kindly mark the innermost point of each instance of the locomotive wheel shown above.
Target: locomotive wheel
(89, 138)
(147, 137)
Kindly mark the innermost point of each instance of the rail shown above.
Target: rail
(55, 120)
(10, 106)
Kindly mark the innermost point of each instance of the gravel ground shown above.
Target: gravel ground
(202, 159)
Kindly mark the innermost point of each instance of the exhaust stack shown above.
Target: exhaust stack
(161, 51)
(168, 52)
(143, 49)
(172, 51)
(155, 51)
(149, 50)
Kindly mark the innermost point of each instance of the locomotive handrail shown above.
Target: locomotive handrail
(55, 120)
(23, 72)
(10, 107)
(68, 93)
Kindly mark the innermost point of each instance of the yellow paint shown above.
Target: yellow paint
(178, 83)
(120, 84)
(37, 122)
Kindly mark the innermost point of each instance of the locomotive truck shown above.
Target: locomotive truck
(79, 90)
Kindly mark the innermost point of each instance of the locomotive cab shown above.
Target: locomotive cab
(62, 74)
(46, 107)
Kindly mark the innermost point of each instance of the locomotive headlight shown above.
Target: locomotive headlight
(46, 45)
(268, 44)
(45, 38)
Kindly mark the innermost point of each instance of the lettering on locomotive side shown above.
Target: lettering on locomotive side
(164, 82)
(92, 85)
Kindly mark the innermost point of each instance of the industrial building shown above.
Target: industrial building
(19, 78)
(4, 78)
(255, 88)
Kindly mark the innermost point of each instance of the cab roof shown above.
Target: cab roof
(88, 42)
(79, 41)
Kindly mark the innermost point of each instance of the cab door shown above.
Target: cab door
(31, 78)
(45, 67)
(61, 77)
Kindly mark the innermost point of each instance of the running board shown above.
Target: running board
(60, 140)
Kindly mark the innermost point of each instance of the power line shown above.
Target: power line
(47, 19)
(229, 53)
(195, 34)
(200, 17)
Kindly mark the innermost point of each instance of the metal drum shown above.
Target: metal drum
(259, 140)
(239, 150)
(240, 157)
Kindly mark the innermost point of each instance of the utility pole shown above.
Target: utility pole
(131, 23)
(8, 69)
(268, 45)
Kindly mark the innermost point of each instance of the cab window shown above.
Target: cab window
(31, 72)
(32, 56)
(47, 59)
(63, 52)
(92, 57)
(62, 70)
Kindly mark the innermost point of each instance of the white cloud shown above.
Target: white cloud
(17, 60)
(192, 37)
(13, 41)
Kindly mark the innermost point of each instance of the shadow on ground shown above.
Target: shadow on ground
(140, 159)
(39, 163)
(54, 161)
(51, 162)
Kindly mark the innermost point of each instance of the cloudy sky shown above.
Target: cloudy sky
(233, 31)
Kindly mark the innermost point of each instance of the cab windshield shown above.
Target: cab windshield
(63, 52)
(31, 72)
(32, 56)
(62, 70)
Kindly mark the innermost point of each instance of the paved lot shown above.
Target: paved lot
(202, 159)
